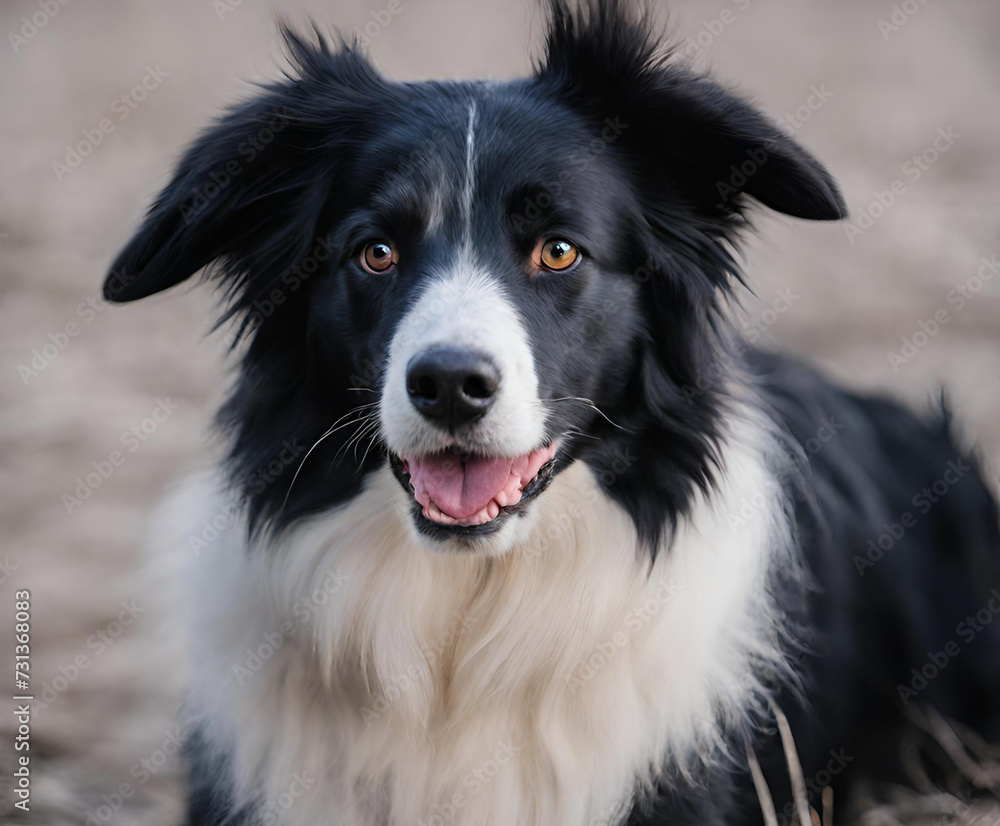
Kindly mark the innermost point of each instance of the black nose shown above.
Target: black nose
(451, 387)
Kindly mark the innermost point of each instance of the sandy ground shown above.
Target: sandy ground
(864, 100)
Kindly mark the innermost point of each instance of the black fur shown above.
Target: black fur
(869, 623)
(353, 155)
(630, 154)
(209, 800)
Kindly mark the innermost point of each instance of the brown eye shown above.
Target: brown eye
(555, 255)
(379, 257)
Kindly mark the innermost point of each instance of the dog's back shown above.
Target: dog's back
(895, 637)
(902, 538)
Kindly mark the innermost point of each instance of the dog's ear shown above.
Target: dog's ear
(253, 187)
(684, 130)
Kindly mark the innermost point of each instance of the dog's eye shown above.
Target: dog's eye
(555, 255)
(379, 257)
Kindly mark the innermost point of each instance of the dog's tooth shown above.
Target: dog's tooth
(510, 495)
(487, 514)
(475, 519)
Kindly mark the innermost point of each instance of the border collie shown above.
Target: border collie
(513, 528)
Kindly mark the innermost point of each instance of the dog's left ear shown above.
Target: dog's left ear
(229, 192)
(252, 189)
(684, 131)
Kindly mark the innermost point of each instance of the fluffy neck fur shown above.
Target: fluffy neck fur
(543, 686)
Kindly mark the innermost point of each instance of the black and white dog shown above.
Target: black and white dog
(513, 529)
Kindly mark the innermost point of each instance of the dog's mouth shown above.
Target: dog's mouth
(465, 491)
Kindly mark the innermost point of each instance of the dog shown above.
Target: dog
(514, 527)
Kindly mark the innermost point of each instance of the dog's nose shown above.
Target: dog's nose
(451, 387)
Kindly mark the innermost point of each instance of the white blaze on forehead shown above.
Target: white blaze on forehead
(470, 175)
(465, 309)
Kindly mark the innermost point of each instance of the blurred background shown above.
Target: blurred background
(901, 100)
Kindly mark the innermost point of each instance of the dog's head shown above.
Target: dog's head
(477, 283)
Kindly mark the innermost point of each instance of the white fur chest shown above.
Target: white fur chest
(357, 678)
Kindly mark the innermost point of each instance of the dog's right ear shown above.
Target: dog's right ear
(222, 190)
(685, 131)
(253, 187)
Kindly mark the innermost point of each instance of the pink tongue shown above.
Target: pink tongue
(459, 489)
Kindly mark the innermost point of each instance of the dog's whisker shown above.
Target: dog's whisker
(375, 437)
(363, 424)
(342, 450)
(359, 409)
(332, 429)
(581, 434)
(360, 419)
(299, 468)
(365, 431)
(589, 403)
